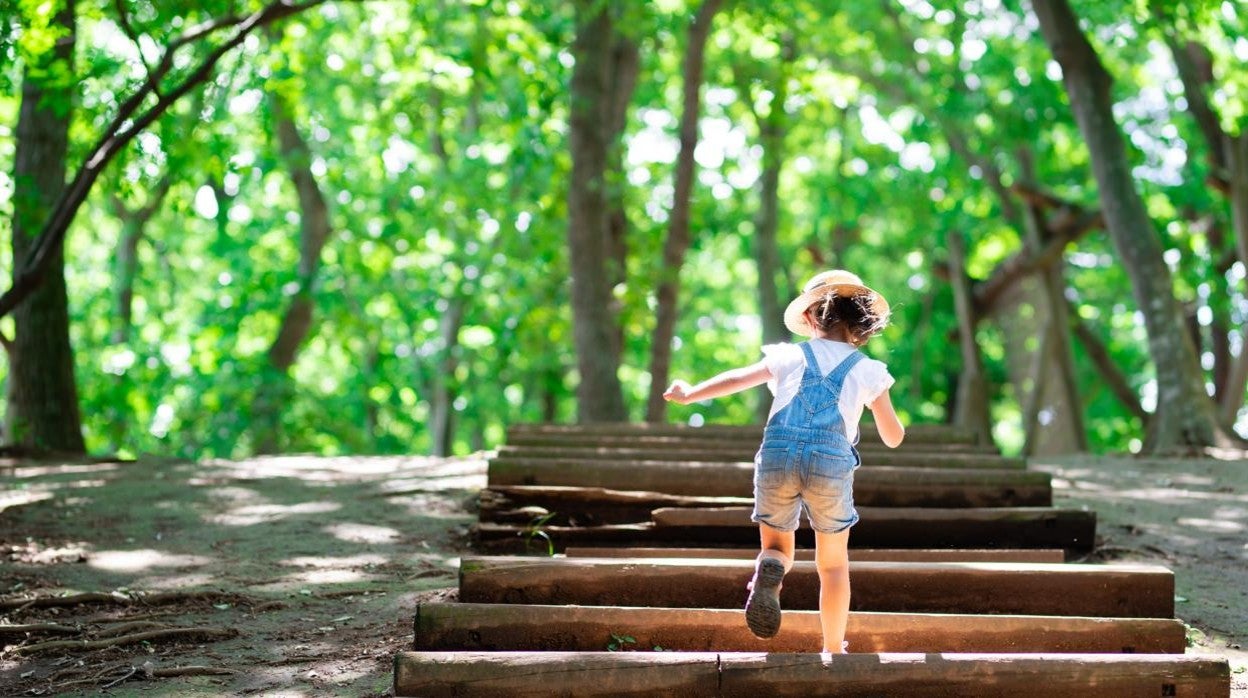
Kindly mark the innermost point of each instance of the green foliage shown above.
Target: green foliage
(438, 135)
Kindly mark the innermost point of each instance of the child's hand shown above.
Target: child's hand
(677, 392)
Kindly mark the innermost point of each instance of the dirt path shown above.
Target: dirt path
(1189, 515)
(313, 565)
(301, 575)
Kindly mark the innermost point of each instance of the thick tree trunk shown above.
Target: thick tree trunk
(1185, 416)
(43, 410)
(600, 397)
(678, 236)
(276, 387)
(622, 82)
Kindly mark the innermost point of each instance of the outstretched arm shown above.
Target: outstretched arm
(886, 421)
(726, 383)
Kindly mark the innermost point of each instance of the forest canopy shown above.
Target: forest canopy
(399, 227)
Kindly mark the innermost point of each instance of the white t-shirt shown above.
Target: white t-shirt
(866, 381)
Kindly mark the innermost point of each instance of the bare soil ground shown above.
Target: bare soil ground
(299, 576)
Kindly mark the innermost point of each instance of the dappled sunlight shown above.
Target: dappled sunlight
(326, 562)
(348, 468)
(235, 495)
(28, 471)
(21, 498)
(1212, 525)
(362, 533)
(177, 582)
(263, 513)
(138, 560)
(300, 581)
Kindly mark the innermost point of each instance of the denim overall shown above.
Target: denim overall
(806, 461)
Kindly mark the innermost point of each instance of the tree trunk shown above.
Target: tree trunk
(678, 236)
(600, 397)
(622, 82)
(1111, 373)
(971, 410)
(1237, 169)
(1184, 417)
(441, 408)
(276, 387)
(43, 410)
(126, 266)
(1055, 422)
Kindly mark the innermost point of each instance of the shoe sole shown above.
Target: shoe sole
(762, 609)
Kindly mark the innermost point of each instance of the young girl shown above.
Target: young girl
(807, 458)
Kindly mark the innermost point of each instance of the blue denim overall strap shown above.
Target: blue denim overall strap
(814, 415)
(806, 462)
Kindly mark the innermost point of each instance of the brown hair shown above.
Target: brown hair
(853, 313)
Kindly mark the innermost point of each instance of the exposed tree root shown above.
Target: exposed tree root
(114, 597)
(130, 639)
(35, 628)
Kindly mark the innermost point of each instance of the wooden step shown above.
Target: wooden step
(518, 627)
(858, 554)
(884, 485)
(916, 434)
(745, 446)
(997, 527)
(1017, 527)
(728, 452)
(594, 504)
(755, 674)
(1116, 591)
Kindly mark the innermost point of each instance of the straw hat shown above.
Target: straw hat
(837, 282)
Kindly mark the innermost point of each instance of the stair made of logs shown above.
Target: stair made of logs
(612, 560)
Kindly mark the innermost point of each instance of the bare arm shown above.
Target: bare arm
(726, 383)
(886, 421)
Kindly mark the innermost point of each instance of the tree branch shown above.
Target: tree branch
(119, 133)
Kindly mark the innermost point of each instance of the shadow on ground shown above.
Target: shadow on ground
(291, 575)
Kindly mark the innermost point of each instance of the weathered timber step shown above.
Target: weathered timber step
(728, 452)
(745, 446)
(754, 674)
(1068, 529)
(1116, 591)
(915, 433)
(516, 627)
(858, 554)
(670, 448)
(589, 506)
(996, 527)
(710, 479)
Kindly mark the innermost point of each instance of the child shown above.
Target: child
(807, 458)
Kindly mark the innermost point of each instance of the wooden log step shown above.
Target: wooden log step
(520, 627)
(594, 505)
(677, 455)
(709, 448)
(858, 554)
(1115, 591)
(902, 527)
(735, 448)
(1070, 530)
(963, 487)
(915, 433)
(755, 674)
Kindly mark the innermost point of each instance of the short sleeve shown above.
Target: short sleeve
(781, 360)
(875, 380)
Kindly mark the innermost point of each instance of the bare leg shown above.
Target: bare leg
(777, 542)
(832, 560)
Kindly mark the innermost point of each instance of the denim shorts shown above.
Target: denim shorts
(819, 478)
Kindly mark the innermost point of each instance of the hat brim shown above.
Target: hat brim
(795, 314)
